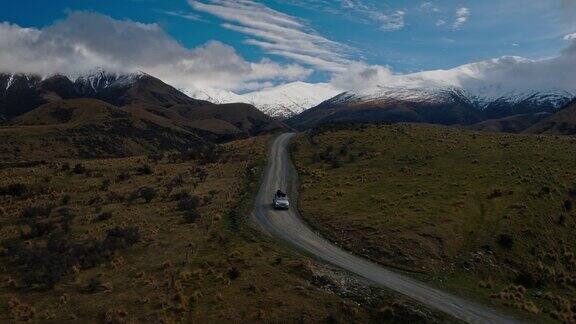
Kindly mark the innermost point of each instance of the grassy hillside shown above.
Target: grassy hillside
(89, 128)
(484, 214)
(162, 238)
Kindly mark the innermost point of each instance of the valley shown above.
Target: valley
(133, 207)
(275, 161)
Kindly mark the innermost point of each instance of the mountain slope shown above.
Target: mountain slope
(19, 94)
(215, 123)
(511, 124)
(90, 128)
(122, 90)
(561, 123)
(146, 98)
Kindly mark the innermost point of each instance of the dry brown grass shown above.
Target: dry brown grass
(211, 270)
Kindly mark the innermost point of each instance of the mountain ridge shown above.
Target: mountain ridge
(437, 105)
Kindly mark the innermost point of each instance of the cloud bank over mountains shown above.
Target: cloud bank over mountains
(493, 77)
(86, 41)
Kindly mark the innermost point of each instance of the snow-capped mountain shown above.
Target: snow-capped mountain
(290, 99)
(437, 105)
(489, 85)
(217, 96)
(282, 101)
(547, 99)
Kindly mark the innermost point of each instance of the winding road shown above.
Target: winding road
(288, 226)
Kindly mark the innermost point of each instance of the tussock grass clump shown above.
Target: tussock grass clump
(115, 316)
(79, 168)
(20, 311)
(104, 216)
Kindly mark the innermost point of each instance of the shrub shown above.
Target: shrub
(343, 150)
(201, 174)
(37, 227)
(529, 279)
(568, 205)
(506, 241)
(496, 193)
(105, 184)
(66, 218)
(191, 216)
(144, 169)
(121, 238)
(36, 211)
(188, 202)
(65, 200)
(180, 195)
(233, 273)
(155, 157)
(572, 192)
(188, 205)
(79, 169)
(124, 176)
(146, 193)
(115, 197)
(65, 167)
(177, 181)
(14, 190)
(104, 216)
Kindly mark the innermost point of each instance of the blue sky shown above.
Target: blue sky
(407, 36)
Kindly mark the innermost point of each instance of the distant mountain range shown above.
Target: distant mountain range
(219, 115)
(435, 105)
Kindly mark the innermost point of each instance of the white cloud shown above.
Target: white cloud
(361, 76)
(277, 33)
(182, 14)
(359, 11)
(85, 41)
(570, 37)
(428, 6)
(390, 22)
(386, 21)
(462, 16)
(440, 22)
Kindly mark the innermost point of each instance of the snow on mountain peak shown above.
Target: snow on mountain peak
(282, 101)
(99, 79)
